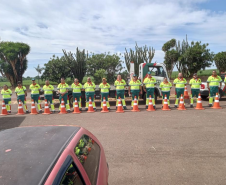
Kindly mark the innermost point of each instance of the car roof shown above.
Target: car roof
(29, 153)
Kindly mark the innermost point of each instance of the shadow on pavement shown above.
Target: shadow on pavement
(10, 122)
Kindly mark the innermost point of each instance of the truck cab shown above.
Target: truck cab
(158, 71)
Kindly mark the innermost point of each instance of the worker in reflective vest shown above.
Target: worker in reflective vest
(120, 91)
(195, 83)
(89, 87)
(214, 83)
(149, 87)
(104, 89)
(21, 94)
(63, 92)
(6, 96)
(165, 88)
(179, 84)
(135, 89)
(76, 86)
(35, 94)
(48, 94)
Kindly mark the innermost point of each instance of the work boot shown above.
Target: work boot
(40, 111)
(80, 109)
(124, 107)
(68, 111)
(191, 106)
(210, 105)
(176, 106)
(146, 106)
(27, 111)
(109, 108)
(86, 109)
(154, 107)
(9, 112)
(53, 111)
(95, 109)
(101, 109)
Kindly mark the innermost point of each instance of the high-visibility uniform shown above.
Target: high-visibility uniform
(120, 91)
(48, 94)
(90, 92)
(180, 85)
(77, 93)
(195, 89)
(105, 93)
(165, 88)
(21, 95)
(214, 83)
(35, 94)
(63, 87)
(135, 90)
(6, 96)
(150, 88)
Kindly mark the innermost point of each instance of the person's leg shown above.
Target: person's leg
(192, 97)
(92, 95)
(60, 98)
(168, 98)
(66, 100)
(163, 97)
(133, 95)
(196, 94)
(151, 91)
(87, 100)
(102, 99)
(137, 95)
(177, 96)
(211, 96)
(122, 95)
(74, 96)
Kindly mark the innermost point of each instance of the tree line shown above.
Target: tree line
(188, 58)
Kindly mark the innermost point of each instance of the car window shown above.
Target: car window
(157, 71)
(71, 176)
(88, 153)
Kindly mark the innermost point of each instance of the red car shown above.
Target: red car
(51, 155)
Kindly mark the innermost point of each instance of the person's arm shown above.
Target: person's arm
(25, 91)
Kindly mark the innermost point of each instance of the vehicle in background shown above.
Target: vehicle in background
(52, 155)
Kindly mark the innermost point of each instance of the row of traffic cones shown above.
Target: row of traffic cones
(105, 109)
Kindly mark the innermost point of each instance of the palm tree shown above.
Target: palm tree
(39, 70)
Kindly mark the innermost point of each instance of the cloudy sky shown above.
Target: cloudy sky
(100, 26)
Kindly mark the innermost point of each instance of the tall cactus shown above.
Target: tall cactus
(77, 63)
(140, 55)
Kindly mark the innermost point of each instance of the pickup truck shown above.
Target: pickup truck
(205, 92)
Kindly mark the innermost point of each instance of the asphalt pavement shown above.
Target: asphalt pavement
(161, 147)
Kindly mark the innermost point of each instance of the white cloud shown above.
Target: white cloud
(50, 26)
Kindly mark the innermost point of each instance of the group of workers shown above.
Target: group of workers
(136, 88)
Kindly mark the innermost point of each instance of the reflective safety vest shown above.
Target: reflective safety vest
(180, 83)
(48, 89)
(195, 83)
(89, 87)
(135, 85)
(120, 85)
(62, 87)
(6, 94)
(165, 87)
(34, 89)
(149, 82)
(20, 91)
(76, 88)
(104, 87)
(214, 81)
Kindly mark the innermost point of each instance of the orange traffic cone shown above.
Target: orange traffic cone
(46, 110)
(216, 104)
(150, 105)
(181, 105)
(76, 109)
(20, 108)
(90, 109)
(119, 109)
(165, 105)
(62, 107)
(199, 103)
(105, 109)
(4, 111)
(135, 106)
(186, 96)
(33, 108)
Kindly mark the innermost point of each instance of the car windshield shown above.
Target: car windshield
(157, 71)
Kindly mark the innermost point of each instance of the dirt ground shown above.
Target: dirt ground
(161, 147)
